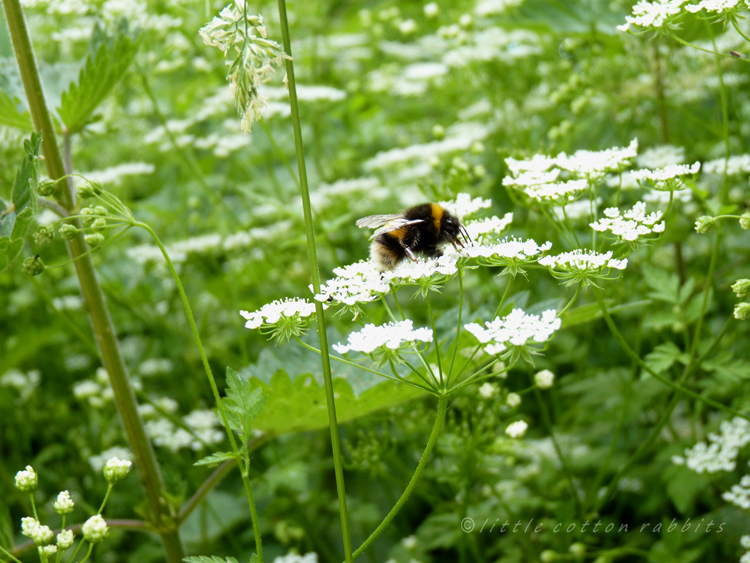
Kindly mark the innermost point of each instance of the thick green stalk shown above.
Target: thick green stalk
(214, 388)
(436, 428)
(92, 293)
(315, 274)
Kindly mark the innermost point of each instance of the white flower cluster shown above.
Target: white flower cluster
(661, 156)
(32, 528)
(544, 379)
(739, 495)
(652, 14)
(295, 558)
(356, 283)
(98, 462)
(465, 205)
(735, 164)
(63, 504)
(632, 224)
(509, 248)
(516, 329)
(516, 429)
(558, 191)
(487, 391)
(116, 469)
(531, 178)
(594, 163)
(583, 262)
(720, 454)
(243, 35)
(95, 529)
(391, 335)
(415, 272)
(271, 313)
(202, 428)
(489, 225)
(662, 176)
(27, 480)
(717, 6)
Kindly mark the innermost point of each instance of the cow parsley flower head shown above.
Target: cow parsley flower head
(718, 6)
(721, 451)
(27, 480)
(559, 192)
(282, 319)
(516, 429)
(594, 164)
(652, 14)
(632, 224)
(531, 178)
(668, 178)
(465, 205)
(537, 164)
(582, 266)
(32, 528)
(517, 334)
(511, 253)
(494, 225)
(429, 274)
(361, 282)
(63, 504)
(739, 495)
(252, 57)
(389, 337)
(735, 164)
(95, 529)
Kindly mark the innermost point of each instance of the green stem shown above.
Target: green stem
(724, 117)
(88, 553)
(437, 342)
(458, 325)
(158, 508)
(688, 44)
(572, 300)
(437, 427)
(212, 382)
(305, 193)
(106, 498)
(9, 554)
(736, 27)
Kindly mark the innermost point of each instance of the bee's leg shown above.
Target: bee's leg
(409, 253)
(433, 252)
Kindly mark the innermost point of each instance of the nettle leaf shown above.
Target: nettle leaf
(209, 559)
(104, 67)
(16, 216)
(664, 356)
(10, 116)
(299, 405)
(243, 403)
(216, 458)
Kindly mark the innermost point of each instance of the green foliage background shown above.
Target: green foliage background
(547, 77)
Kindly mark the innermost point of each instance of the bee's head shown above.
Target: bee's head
(453, 231)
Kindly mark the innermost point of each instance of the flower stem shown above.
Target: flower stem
(458, 325)
(437, 342)
(436, 428)
(212, 382)
(92, 293)
(305, 193)
(106, 498)
(724, 117)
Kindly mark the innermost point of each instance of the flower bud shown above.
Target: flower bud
(704, 224)
(95, 529)
(64, 504)
(742, 311)
(578, 549)
(94, 240)
(65, 539)
(32, 266)
(116, 469)
(745, 221)
(27, 480)
(741, 287)
(99, 223)
(547, 556)
(513, 400)
(46, 188)
(47, 550)
(68, 232)
(43, 235)
(431, 10)
(89, 189)
(544, 379)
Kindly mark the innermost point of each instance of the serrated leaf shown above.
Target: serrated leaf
(299, 405)
(209, 559)
(101, 72)
(664, 356)
(665, 286)
(216, 458)
(10, 116)
(243, 403)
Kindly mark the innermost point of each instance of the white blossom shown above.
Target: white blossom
(537, 164)
(488, 225)
(717, 6)
(465, 205)
(594, 163)
(356, 283)
(532, 178)
(509, 248)
(671, 172)
(513, 400)
(630, 225)
(32, 528)
(661, 156)
(735, 164)
(408, 271)
(544, 379)
(97, 462)
(65, 539)
(27, 480)
(516, 429)
(63, 504)
(652, 14)
(557, 191)
(487, 391)
(722, 449)
(295, 558)
(271, 313)
(47, 550)
(583, 261)
(95, 529)
(516, 329)
(739, 495)
(116, 469)
(391, 336)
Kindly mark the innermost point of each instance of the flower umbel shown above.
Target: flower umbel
(64, 504)
(282, 319)
(27, 480)
(95, 529)
(582, 266)
(116, 469)
(391, 336)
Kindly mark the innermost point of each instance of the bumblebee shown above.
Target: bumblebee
(417, 230)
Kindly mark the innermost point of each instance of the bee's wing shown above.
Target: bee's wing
(395, 225)
(375, 221)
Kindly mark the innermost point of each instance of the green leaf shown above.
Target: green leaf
(664, 356)
(684, 487)
(4, 243)
(10, 116)
(299, 405)
(209, 559)
(104, 67)
(216, 458)
(665, 286)
(243, 403)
